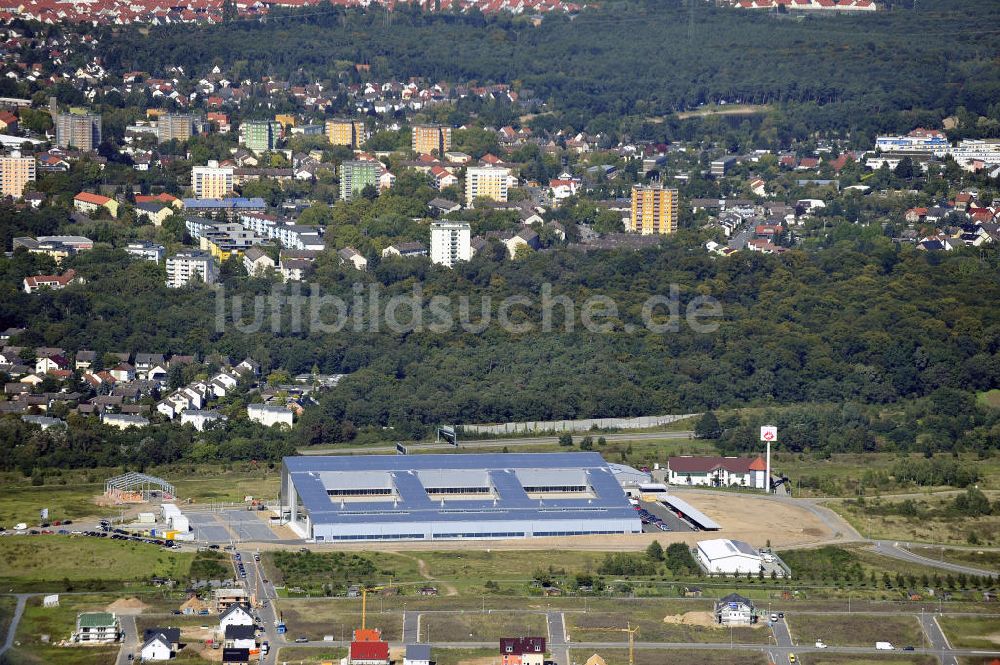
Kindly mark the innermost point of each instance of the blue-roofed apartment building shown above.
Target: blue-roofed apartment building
(451, 497)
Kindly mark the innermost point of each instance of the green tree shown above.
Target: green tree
(708, 426)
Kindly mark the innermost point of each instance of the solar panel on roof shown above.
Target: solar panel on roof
(412, 475)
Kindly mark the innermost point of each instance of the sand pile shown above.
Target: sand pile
(704, 619)
(127, 606)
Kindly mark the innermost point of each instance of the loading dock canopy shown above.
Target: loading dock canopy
(700, 519)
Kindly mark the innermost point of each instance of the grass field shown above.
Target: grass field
(855, 630)
(316, 619)
(46, 655)
(479, 627)
(841, 474)
(606, 627)
(21, 503)
(464, 571)
(729, 109)
(990, 398)
(971, 633)
(464, 656)
(58, 624)
(7, 604)
(310, 656)
(663, 656)
(844, 659)
(30, 559)
(944, 529)
(71, 494)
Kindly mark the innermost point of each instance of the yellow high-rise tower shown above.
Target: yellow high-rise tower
(431, 139)
(654, 210)
(345, 132)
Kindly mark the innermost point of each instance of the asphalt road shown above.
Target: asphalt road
(936, 637)
(411, 627)
(130, 639)
(22, 598)
(591, 647)
(898, 551)
(557, 637)
(473, 444)
(265, 595)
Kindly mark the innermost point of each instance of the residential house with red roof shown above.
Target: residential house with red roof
(35, 282)
(368, 648)
(88, 202)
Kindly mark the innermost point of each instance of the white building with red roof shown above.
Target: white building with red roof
(33, 283)
(717, 471)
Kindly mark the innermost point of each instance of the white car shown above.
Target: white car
(820, 645)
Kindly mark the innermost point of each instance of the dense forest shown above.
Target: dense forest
(875, 346)
(863, 321)
(612, 68)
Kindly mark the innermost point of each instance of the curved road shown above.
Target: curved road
(898, 551)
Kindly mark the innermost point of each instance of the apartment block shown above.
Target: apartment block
(260, 136)
(212, 181)
(654, 210)
(431, 139)
(184, 266)
(15, 173)
(355, 176)
(172, 126)
(148, 251)
(487, 182)
(80, 131)
(350, 133)
(450, 243)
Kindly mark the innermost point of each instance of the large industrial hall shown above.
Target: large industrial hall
(451, 497)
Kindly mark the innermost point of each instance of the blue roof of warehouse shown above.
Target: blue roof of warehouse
(411, 503)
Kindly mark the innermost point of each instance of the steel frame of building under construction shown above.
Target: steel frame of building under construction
(138, 482)
(453, 497)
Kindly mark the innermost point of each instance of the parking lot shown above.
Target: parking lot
(659, 514)
(247, 526)
(207, 528)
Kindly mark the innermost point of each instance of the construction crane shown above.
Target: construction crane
(364, 602)
(632, 632)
